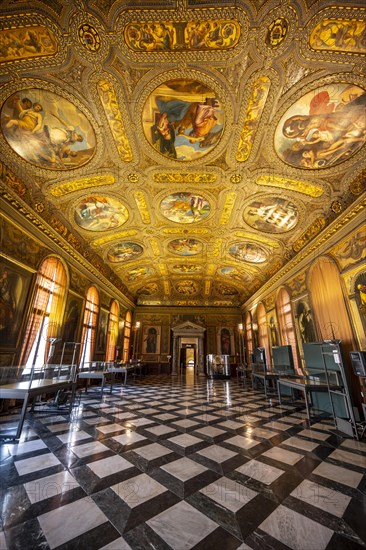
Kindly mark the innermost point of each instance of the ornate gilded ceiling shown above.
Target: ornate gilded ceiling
(187, 149)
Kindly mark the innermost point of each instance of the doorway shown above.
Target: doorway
(188, 357)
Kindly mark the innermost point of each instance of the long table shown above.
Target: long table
(306, 386)
(27, 390)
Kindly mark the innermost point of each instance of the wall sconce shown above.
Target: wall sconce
(254, 326)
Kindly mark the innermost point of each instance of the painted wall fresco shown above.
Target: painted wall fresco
(47, 130)
(248, 252)
(305, 322)
(26, 42)
(272, 214)
(339, 35)
(183, 119)
(185, 208)
(323, 128)
(253, 114)
(185, 247)
(174, 36)
(100, 213)
(360, 297)
(123, 252)
(186, 287)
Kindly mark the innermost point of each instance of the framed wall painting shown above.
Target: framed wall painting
(102, 331)
(15, 283)
(72, 318)
(225, 343)
(151, 339)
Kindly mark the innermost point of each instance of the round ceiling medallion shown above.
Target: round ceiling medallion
(185, 207)
(271, 214)
(123, 252)
(186, 287)
(248, 252)
(89, 37)
(183, 119)
(99, 213)
(323, 128)
(47, 130)
(185, 247)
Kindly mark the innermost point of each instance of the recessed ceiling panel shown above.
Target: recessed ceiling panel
(183, 119)
(272, 214)
(100, 213)
(185, 247)
(324, 127)
(123, 252)
(185, 207)
(47, 130)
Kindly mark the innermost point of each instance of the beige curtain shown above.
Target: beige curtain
(90, 318)
(263, 331)
(286, 324)
(49, 297)
(112, 334)
(127, 336)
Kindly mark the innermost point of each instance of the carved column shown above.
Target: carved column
(201, 364)
(174, 359)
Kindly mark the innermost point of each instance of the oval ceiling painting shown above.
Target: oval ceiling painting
(186, 287)
(185, 247)
(248, 252)
(323, 128)
(147, 290)
(185, 207)
(140, 273)
(122, 252)
(183, 119)
(272, 214)
(234, 274)
(47, 130)
(98, 213)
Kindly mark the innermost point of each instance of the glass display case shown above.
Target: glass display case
(218, 366)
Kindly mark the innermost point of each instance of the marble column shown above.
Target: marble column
(174, 359)
(201, 365)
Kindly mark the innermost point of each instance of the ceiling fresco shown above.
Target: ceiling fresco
(188, 149)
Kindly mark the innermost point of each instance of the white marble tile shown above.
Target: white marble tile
(128, 438)
(71, 437)
(182, 526)
(353, 444)
(210, 431)
(88, 449)
(68, 522)
(229, 493)
(321, 497)
(351, 458)
(153, 451)
(109, 466)
(118, 544)
(302, 444)
(136, 422)
(185, 423)
(291, 420)
(61, 427)
(248, 418)
(296, 531)
(96, 421)
(230, 424)
(261, 472)
(26, 447)
(49, 486)
(149, 411)
(217, 453)
(242, 442)
(205, 417)
(277, 425)
(109, 428)
(137, 490)
(338, 474)
(184, 468)
(36, 463)
(288, 457)
(124, 416)
(314, 435)
(160, 430)
(185, 440)
(265, 434)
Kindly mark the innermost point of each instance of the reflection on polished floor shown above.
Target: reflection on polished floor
(182, 463)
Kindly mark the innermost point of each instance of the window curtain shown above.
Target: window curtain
(49, 297)
(286, 324)
(112, 333)
(263, 331)
(329, 304)
(127, 336)
(248, 336)
(90, 320)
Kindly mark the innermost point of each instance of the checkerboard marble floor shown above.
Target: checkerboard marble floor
(170, 463)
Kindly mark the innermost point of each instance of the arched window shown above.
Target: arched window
(286, 323)
(248, 335)
(112, 333)
(127, 336)
(47, 310)
(89, 325)
(263, 331)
